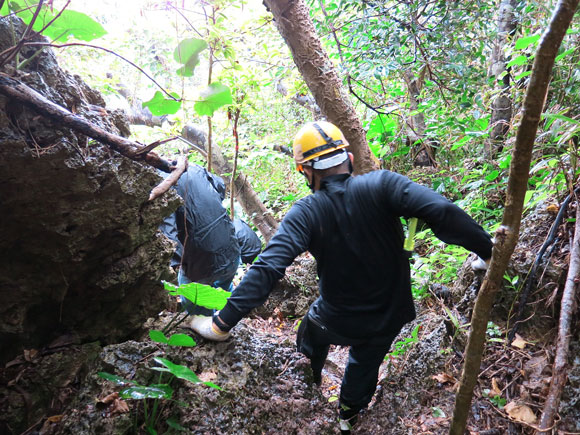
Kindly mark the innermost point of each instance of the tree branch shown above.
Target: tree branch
(164, 186)
(27, 96)
(80, 44)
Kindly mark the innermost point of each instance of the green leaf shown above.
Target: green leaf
(5, 10)
(182, 340)
(522, 75)
(526, 41)
(438, 412)
(213, 97)
(181, 372)
(520, 60)
(187, 53)
(560, 117)
(492, 175)
(564, 54)
(159, 105)
(114, 378)
(70, 23)
(460, 142)
(157, 336)
(200, 294)
(140, 392)
(528, 196)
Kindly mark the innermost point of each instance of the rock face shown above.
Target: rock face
(79, 249)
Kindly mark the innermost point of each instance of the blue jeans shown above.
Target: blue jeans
(197, 310)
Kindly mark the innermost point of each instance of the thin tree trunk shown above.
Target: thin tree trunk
(507, 235)
(501, 108)
(568, 307)
(296, 27)
(246, 195)
(424, 156)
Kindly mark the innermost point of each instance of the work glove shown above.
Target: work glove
(205, 327)
(480, 264)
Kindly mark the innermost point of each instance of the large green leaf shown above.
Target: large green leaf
(72, 23)
(181, 372)
(213, 97)
(182, 340)
(159, 105)
(526, 41)
(68, 24)
(158, 336)
(200, 294)
(187, 53)
(139, 392)
(114, 378)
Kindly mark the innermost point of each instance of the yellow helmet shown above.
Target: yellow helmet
(316, 139)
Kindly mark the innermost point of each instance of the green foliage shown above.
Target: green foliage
(212, 98)
(200, 294)
(497, 400)
(182, 340)
(187, 53)
(181, 372)
(161, 105)
(402, 346)
(69, 24)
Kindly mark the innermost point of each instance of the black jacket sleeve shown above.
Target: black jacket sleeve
(448, 222)
(290, 241)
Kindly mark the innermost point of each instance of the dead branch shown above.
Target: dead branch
(523, 298)
(164, 186)
(27, 96)
(568, 307)
(154, 145)
(16, 49)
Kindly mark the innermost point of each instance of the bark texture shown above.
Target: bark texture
(501, 108)
(424, 154)
(507, 235)
(296, 27)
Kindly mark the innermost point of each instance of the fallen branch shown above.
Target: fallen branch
(153, 145)
(27, 96)
(568, 307)
(164, 186)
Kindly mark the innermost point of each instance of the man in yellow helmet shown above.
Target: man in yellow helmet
(351, 225)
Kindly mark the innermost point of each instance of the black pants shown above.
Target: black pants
(362, 370)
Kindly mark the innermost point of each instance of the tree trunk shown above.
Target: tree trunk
(501, 108)
(424, 155)
(297, 29)
(507, 235)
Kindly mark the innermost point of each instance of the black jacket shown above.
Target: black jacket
(352, 227)
(206, 245)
